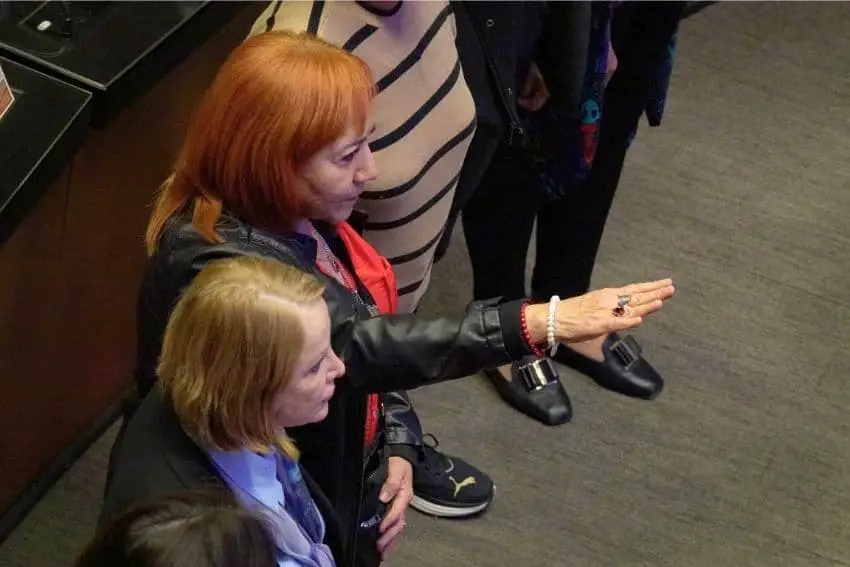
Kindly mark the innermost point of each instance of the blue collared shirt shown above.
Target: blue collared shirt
(261, 483)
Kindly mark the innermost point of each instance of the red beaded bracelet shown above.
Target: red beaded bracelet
(526, 336)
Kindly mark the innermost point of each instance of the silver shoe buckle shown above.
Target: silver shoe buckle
(537, 374)
(627, 351)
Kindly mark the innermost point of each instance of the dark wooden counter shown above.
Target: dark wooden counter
(117, 50)
(71, 265)
(38, 136)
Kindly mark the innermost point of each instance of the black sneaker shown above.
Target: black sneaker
(449, 487)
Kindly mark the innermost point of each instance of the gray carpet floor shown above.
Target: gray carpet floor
(743, 197)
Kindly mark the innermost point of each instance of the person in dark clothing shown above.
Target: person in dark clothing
(500, 205)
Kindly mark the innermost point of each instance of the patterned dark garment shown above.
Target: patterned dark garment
(563, 149)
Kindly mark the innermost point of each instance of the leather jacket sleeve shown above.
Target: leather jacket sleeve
(404, 432)
(397, 365)
(402, 352)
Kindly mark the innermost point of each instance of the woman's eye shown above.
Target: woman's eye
(317, 366)
(351, 156)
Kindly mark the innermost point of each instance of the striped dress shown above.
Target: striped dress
(424, 120)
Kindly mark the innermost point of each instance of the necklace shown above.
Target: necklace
(340, 273)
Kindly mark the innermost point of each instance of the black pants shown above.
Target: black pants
(498, 219)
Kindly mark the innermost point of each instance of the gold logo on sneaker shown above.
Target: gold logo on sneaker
(468, 481)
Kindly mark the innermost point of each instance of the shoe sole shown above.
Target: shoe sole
(444, 511)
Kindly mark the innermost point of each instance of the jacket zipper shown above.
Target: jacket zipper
(515, 123)
(355, 547)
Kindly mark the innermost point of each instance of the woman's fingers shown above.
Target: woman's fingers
(645, 287)
(636, 311)
(644, 309)
(595, 313)
(389, 536)
(394, 514)
(659, 294)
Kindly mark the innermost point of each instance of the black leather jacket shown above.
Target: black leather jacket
(382, 354)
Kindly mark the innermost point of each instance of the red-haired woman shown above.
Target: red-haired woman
(272, 166)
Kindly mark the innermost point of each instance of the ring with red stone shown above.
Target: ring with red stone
(622, 302)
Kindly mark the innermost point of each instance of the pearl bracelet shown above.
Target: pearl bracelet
(550, 325)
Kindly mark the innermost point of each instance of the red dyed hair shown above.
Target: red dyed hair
(278, 99)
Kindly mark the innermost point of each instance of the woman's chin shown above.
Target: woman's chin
(320, 414)
(336, 217)
(344, 211)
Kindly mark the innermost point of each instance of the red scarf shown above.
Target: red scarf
(376, 275)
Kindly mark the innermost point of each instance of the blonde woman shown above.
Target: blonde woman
(246, 354)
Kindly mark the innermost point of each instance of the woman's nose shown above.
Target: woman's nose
(368, 171)
(339, 368)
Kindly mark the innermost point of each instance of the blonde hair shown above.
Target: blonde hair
(231, 345)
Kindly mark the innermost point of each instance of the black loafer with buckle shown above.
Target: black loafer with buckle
(535, 390)
(624, 369)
